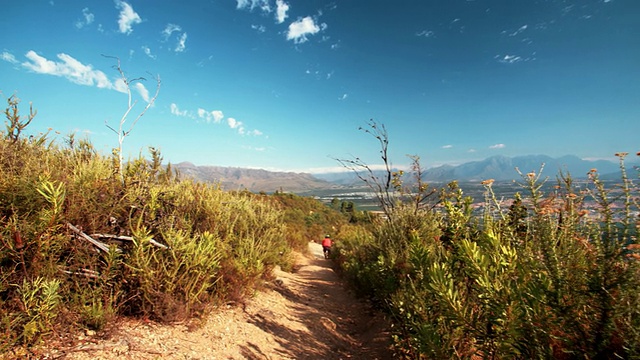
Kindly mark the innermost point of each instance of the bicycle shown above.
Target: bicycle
(327, 251)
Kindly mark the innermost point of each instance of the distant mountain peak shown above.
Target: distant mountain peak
(500, 167)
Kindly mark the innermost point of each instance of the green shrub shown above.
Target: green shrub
(542, 278)
(172, 246)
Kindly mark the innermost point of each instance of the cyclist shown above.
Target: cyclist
(326, 246)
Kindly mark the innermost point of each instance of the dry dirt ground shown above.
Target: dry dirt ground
(308, 314)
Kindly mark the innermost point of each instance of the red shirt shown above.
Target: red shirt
(326, 242)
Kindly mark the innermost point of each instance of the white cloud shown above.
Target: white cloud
(497, 146)
(144, 93)
(181, 43)
(69, 68)
(128, 17)
(521, 29)
(88, 19)
(447, 146)
(252, 4)
(147, 52)
(426, 33)
(281, 11)
(8, 57)
(472, 150)
(299, 29)
(176, 111)
(120, 86)
(237, 125)
(215, 116)
(182, 39)
(259, 28)
(170, 29)
(508, 59)
(233, 123)
(343, 97)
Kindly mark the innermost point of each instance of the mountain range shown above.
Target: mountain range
(504, 168)
(255, 180)
(499, 168)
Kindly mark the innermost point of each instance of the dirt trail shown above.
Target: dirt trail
(308, 314)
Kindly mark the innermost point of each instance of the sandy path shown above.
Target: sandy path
(308, 314)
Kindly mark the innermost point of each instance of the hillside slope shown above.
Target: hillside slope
(255, 180)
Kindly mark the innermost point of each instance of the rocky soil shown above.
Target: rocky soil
(308, 314)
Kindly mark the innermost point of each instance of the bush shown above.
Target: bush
(542, 278)
(171, 247)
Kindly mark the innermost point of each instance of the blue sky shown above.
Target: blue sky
(284, 84)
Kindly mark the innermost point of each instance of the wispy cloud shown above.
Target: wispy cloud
(128, 17)
(181, 43)
(147, 51)
(8, 57)
(69, 68)
(281, 11)
(235, 124)
(259, 28)
(447, 146)
(182, 39)
(87, 19)
(78, 73)
(142, 90)
(497, 146)
(215, 116)
(175, 110)
(343, 97)
(426, 33)
(520, 30)
(298, 30)
(508, 59)
(170, 29)
(252, 4)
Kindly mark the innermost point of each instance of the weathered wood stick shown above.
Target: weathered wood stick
(128, 238)
(97, 243)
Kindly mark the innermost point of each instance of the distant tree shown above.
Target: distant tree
(347, 207)
(335, 203)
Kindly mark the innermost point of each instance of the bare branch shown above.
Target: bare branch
(122, 134)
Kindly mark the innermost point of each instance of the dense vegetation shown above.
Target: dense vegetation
(543, 275)
(550, 274)
(167, 248)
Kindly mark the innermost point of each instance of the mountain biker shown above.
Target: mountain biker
(326, 246)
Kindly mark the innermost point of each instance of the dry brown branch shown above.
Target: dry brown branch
(100, 245)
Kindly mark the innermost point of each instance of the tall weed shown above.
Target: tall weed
(544, 277)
